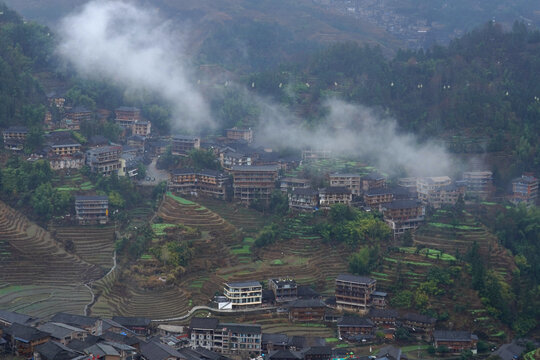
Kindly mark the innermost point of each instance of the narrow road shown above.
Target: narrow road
(89, 286)
(214, 310)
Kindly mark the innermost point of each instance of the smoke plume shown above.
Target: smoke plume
(133, 46)
(354, 130)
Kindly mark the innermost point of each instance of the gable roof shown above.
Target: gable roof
(59, 330)
(284, 354)
(157, 351)
(355, 279)
(349, 320)
(203, 323)
(509, 351)
(308, 303)
(132, 321)
(25, 333)
(390, 351)
(53, 350)
(448, 335)
(242, 328)
(13, 317)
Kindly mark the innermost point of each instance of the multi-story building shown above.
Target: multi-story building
(350, 181)
(334, 195)
(127, 116)
(75, 161)
(229, 158)
(455, 341)
(378, 299)
(63, 333)
(377, 196)
(207, 182)
(384, 318)
(141, 128)
(373, 181)
(14, 137)
(354, 326)
(75, 116)
(420, 326)
(104, 160)
(290, 183)
(91, 210)
(525, 190)
(240, 134)
(64, 147)
(237, 339)
(479, 183)
(354, 292)
(226, 338)
(306, 310)
(254, 182)
(403, 215)
(304, 199)
(314, 155)
(244, 295)
(427, 187)
(284, 289)
(447, 195)
(183, 145)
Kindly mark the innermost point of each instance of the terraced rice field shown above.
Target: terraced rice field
(93, 244)
(39, 276)
(282, 326)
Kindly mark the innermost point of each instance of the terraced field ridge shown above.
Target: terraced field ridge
(37, 275)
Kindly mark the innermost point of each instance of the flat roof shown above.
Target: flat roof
(243, 284)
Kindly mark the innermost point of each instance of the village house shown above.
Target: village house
(355, 328)
(384, 318)
(73, 118)
(206, 182)
(420, 326)
(403, 215)
(9, 317)
(90, 324)
(104, 160)
(375, 197)
(129, 164)
(235, 133)
(75, 161)
(373, 181)
(63, 333)
(354, 292)
(90, 210)
(303, 199)
(14, 138)
(455, 341)
(141, 128)
(307, 310)
(350, 181)
(236, 339)
(318, 353)
(479, 183)
(314, 155)
(254, 182)
(137, 141)
(284, 289)
(138, 325)
(378, 299)
(244, 294)
(183, 145)
(229, 157)
(436, 191)
(447, 195)
(157, 147)
(291, 183)
(53, 350)
(334, 195)
(127, 116)
(23, 339)
(525, 190)
(201, 332)
(226, 338)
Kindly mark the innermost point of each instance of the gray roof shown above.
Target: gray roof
(132, 321)
(243, 284)
(383, 313)
(284, 354)
(17, 129)
(25, 333)
(335, 190)
(509, 351)
(242, 328)
(54, 350)
(276, 339)
(448, 335)
(74, 320)
(90, 198)
(102, 349)
(157, 351)
(374, 176)
(356, 279)
(203, 323)
(127, 108)
(255, 168)
(356, 321)
(305, 192)
(59, 330)
(419, 318)
(305, 303)
(379, 293)
(390, 351)
(378, 191)
(402, 204)
(13, 317)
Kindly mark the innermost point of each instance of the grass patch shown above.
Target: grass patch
(159, 229)
(408, 262)
(379, 274)
(244, 250)
(313, 325)
(331, 340)
(277, 262)
(146, 257)
(181, 200)
(249, 240)
(66, 188)
(432, 253)
(414, 347)
(498, 334)
(448, 226)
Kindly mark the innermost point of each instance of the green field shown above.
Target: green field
(181, 200)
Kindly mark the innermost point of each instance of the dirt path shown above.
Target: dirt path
(89, 287)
